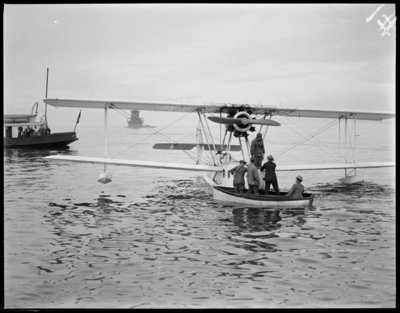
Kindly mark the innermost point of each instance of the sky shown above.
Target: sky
(326, 56)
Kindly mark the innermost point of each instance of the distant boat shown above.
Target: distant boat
(135, 121)
(23, 131)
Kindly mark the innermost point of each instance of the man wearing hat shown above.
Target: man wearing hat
(296, 192)
(238, 176)
(253, 179)
(257, 150)
(270, 175)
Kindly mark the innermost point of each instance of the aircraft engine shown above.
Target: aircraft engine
(244, 125)
(240, 121)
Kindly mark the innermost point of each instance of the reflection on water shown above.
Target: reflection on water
(20, 157)
(360, 189)
(29, 154)
(256, 219)
(177, 247)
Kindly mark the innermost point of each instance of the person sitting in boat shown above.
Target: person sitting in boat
(238, 176)
(270, 175)
(47, 131)
(296, 192)
(253, 179)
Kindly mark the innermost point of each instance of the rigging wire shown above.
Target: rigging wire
(158, 133)
(319, 131)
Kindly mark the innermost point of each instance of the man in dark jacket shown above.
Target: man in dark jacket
(238, 178)
(270, 176)
(257, 150)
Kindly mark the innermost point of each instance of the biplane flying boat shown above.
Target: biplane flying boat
(214, 159)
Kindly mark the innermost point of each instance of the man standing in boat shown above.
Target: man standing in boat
(270, 175)
(253, 178)
(296, 192)
(257, 150)
(238, 176)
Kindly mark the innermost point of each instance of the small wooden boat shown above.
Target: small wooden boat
(272, 200)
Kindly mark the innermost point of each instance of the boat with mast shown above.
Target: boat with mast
(25, 132)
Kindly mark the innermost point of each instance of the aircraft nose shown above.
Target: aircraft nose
(244, 121)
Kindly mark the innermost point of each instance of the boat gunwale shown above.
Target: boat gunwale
(262, 197)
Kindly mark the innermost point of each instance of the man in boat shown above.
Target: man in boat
(8, 131)
(253, 179)
(28, 131)
(257, 150)
(270, 175)
(238, 176)
(296, 192)
(41, 131)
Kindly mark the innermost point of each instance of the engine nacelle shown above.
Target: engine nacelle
(245, 125)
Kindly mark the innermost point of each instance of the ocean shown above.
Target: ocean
(156, 239)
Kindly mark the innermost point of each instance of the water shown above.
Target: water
(157, 239)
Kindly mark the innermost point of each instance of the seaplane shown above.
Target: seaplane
(214, 158)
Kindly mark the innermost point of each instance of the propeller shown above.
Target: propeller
(243, 120)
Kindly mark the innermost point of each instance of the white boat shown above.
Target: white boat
(228, 194)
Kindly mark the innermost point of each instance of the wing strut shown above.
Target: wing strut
(350, 143)
(105, 132)
(105, 177)
(207, 137)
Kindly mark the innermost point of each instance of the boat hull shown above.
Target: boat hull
(227, 194)
(134, 125)
(51, 141)
(138, 125)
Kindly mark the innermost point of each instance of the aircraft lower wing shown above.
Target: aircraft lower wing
(136, 163)
(207, 168)
(336, 166)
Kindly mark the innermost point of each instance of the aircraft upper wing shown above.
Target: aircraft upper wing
(336, 166)
(218, 108)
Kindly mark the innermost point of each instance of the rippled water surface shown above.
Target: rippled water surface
(156, 239)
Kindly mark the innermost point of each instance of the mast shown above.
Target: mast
(45, 107)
